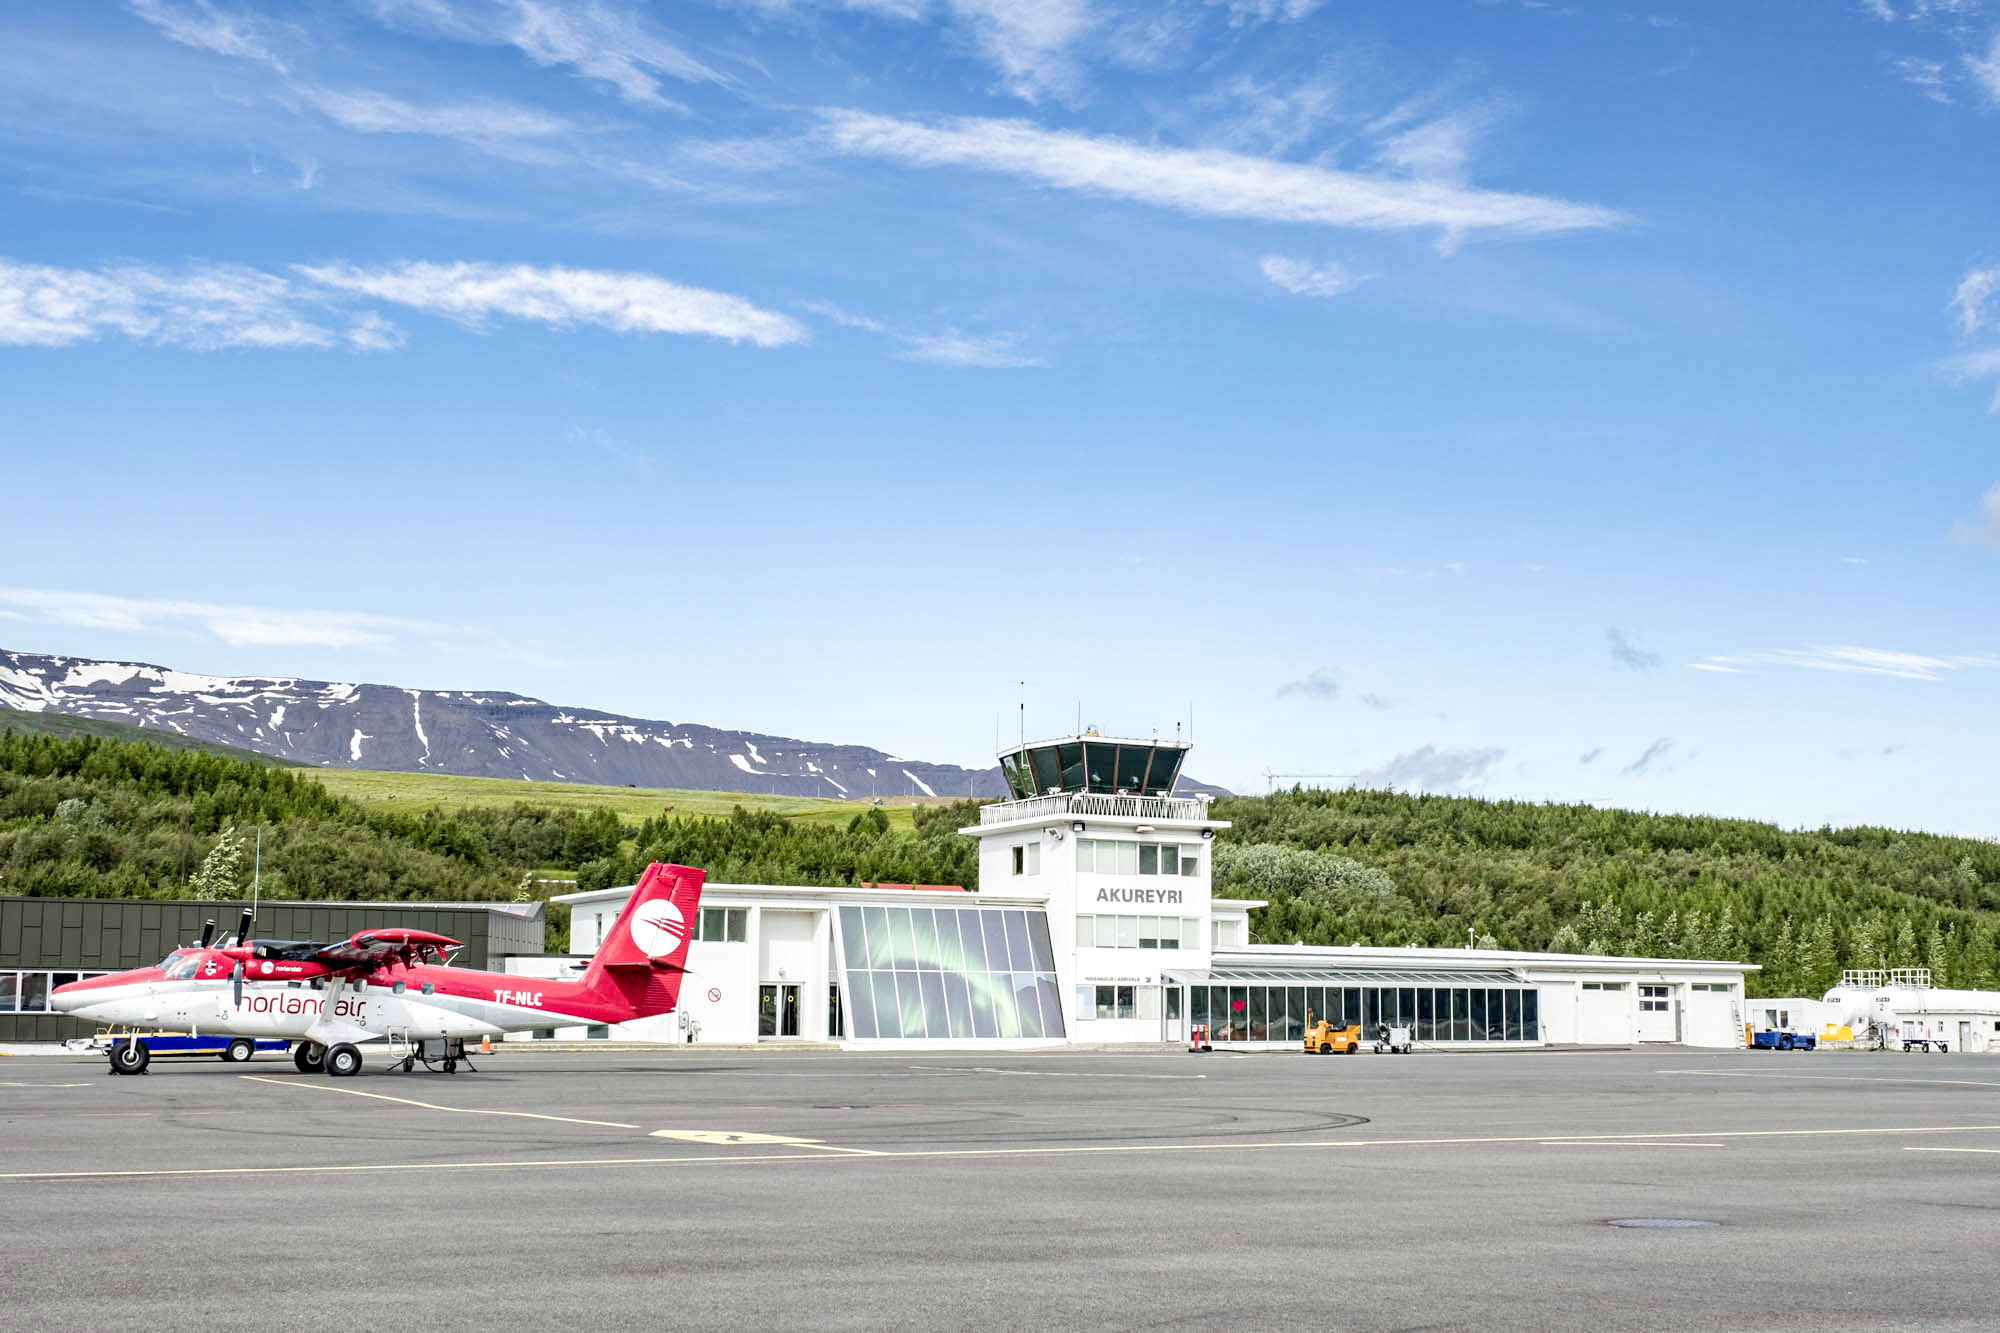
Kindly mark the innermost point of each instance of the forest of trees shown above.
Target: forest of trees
(89, 816)
(1379, 867)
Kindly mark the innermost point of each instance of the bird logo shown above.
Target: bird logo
(658, 929)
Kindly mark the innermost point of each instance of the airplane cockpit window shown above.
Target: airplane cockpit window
(182, 966)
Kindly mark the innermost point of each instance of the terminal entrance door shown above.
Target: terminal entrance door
(777, 1011)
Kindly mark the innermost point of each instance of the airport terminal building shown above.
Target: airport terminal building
(1094, 923)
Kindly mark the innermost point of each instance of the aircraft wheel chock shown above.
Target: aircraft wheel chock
(130, 1057)
(343, 1061)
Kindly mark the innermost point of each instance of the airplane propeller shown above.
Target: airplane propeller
(236, 984)
(207, 934)
(243, 927)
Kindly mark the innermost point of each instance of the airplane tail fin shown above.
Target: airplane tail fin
(644, 955)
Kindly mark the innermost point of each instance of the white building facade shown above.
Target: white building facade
(1094, 923)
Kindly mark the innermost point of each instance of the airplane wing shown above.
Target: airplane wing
(366, 950)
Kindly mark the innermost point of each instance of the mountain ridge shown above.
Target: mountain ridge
(471, 733)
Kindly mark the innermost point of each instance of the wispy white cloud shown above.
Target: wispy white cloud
(369, 112)
(1303, 278)
(223, 305)
(1206, 182)
(1854, 661)
(1439, 148)
(1983, 529)
(952, 348)
(1984, 67)
(947, 348)
(1976, 299)
(1976, 304)
(1031, 42)
(1925, 75)
(206, 27)
(233, 624)
(620, 301)
(213, 306)
(608, 45)
(1245, 12)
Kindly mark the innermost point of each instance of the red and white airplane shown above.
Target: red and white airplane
(330, 999)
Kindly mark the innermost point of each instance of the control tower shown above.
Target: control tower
(1093, 823)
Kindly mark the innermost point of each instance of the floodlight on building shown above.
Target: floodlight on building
(1076, 826)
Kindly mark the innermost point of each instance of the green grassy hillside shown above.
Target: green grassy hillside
(64, 727)
(423, 790)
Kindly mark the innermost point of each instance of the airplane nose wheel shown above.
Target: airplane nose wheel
(130, 1057)
(343, 1061)
(309, 1057)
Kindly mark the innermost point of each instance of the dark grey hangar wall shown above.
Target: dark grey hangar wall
(47, 941)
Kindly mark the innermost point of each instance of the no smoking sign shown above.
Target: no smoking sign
(715, 995)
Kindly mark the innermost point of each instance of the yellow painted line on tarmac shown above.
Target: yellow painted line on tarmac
(938, 1154)
(431, 1106)
(1620, 1143)
(739, 1138)
(1916, 1149)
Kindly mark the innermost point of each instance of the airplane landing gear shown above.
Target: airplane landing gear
(343, 1061)
(309, 1057)
(130, 1057)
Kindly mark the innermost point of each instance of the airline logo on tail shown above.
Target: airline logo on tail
(658, 929)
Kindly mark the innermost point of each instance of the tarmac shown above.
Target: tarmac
(688, 1187)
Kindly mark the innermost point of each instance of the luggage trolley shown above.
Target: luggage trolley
(446, 1053)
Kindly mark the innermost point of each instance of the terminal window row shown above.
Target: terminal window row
(1281, 1013)
(28, 992)
(728, 925)
(1104, 856)
(1125, 1000)
(1136, 932)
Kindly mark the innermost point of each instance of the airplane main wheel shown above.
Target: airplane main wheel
(310, 1058)
(343, 1061)
(130, 1057)
(239, 1050)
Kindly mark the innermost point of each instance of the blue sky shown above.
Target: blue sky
(1568, 402)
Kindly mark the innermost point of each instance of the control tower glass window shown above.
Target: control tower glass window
(1069, 757)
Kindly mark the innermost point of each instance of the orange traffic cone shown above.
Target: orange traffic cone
(486, 1045)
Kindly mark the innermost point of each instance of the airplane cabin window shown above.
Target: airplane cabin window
(429, 989)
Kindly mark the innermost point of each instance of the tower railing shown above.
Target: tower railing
(1875, 978)
(1070, 804)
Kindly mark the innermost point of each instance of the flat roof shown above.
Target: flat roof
(1376, 958)
(1232, 973)
(829, 893)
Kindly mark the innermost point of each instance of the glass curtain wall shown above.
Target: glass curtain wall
(1433, 1013)
(948, 972)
